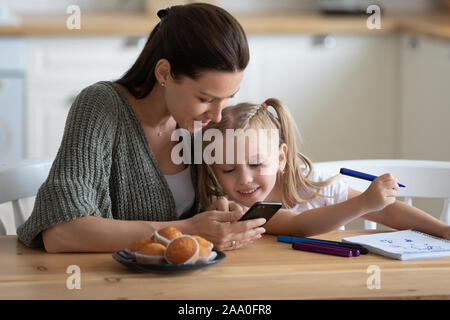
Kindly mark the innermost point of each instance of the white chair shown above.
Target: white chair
(422, 178)
(20, 180)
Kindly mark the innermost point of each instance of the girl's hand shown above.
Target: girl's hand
(220, 225)
(446, 233)
(380, 193)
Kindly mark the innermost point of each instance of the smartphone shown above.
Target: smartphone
(261, 209)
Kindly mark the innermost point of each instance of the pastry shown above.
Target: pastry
(203, 242)
(151, 253)
(170, 245)
(136, 245)
(205, 252)
(206, 255)
(182, 250)
(139, 243)
(165, 235)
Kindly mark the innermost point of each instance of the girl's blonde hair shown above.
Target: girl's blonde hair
(293, 179)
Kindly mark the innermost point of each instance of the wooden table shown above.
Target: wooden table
(266, 269)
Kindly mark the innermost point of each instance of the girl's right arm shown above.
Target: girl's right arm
(380, 194)
(315, 221)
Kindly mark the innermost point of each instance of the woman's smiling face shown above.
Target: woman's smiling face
(253, 179)
(202, 99)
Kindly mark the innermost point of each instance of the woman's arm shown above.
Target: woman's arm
(401, 216)
(95, 234)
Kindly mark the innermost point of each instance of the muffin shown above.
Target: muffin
(205, 253)
(139, 243)
(182, 250)
(136, 245)
(203, 242)
(151, 253)
(165, 235)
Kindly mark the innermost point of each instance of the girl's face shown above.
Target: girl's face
(255, 179)
(202, 99)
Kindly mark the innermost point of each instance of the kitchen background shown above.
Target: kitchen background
(355, 93)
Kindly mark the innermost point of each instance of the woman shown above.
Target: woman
(113, 179)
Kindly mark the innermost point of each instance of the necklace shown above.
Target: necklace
(159, 132)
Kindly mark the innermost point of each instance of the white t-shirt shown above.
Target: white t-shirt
(182, 190)
(338, 190)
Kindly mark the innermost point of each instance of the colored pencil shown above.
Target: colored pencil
(320, 248)
(361, 175)
(289, 239)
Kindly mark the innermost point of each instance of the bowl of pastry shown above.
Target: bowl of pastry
(169, 250)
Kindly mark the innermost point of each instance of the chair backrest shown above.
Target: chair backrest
(19, 180)
(422, 178)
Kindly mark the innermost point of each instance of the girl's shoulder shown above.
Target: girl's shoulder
(335, 191)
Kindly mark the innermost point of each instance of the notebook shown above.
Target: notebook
(403, 245)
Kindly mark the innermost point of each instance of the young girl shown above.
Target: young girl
(312, 204)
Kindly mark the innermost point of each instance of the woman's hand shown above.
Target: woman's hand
(380, 193)
(220, 225)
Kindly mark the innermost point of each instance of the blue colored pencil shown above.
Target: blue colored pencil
(361, 175)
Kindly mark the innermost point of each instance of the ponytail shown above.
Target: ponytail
(293, 177)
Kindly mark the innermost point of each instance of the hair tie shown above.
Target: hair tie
(264, 105)
(162, 14)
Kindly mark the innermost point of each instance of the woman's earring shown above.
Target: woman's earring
(163, 84)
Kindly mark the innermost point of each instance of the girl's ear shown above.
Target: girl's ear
(282, 157)
(163, 71)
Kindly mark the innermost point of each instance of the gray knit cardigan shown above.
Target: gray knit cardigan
(104, 167)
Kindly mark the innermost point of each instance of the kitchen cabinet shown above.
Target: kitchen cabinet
(425, 105)
(11, 119)
(352, 96)
(341, 90)
(12, 67)
(354, 74)
(58, 68)
(12, 113)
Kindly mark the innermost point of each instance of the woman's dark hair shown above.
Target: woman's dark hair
(193, 38)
